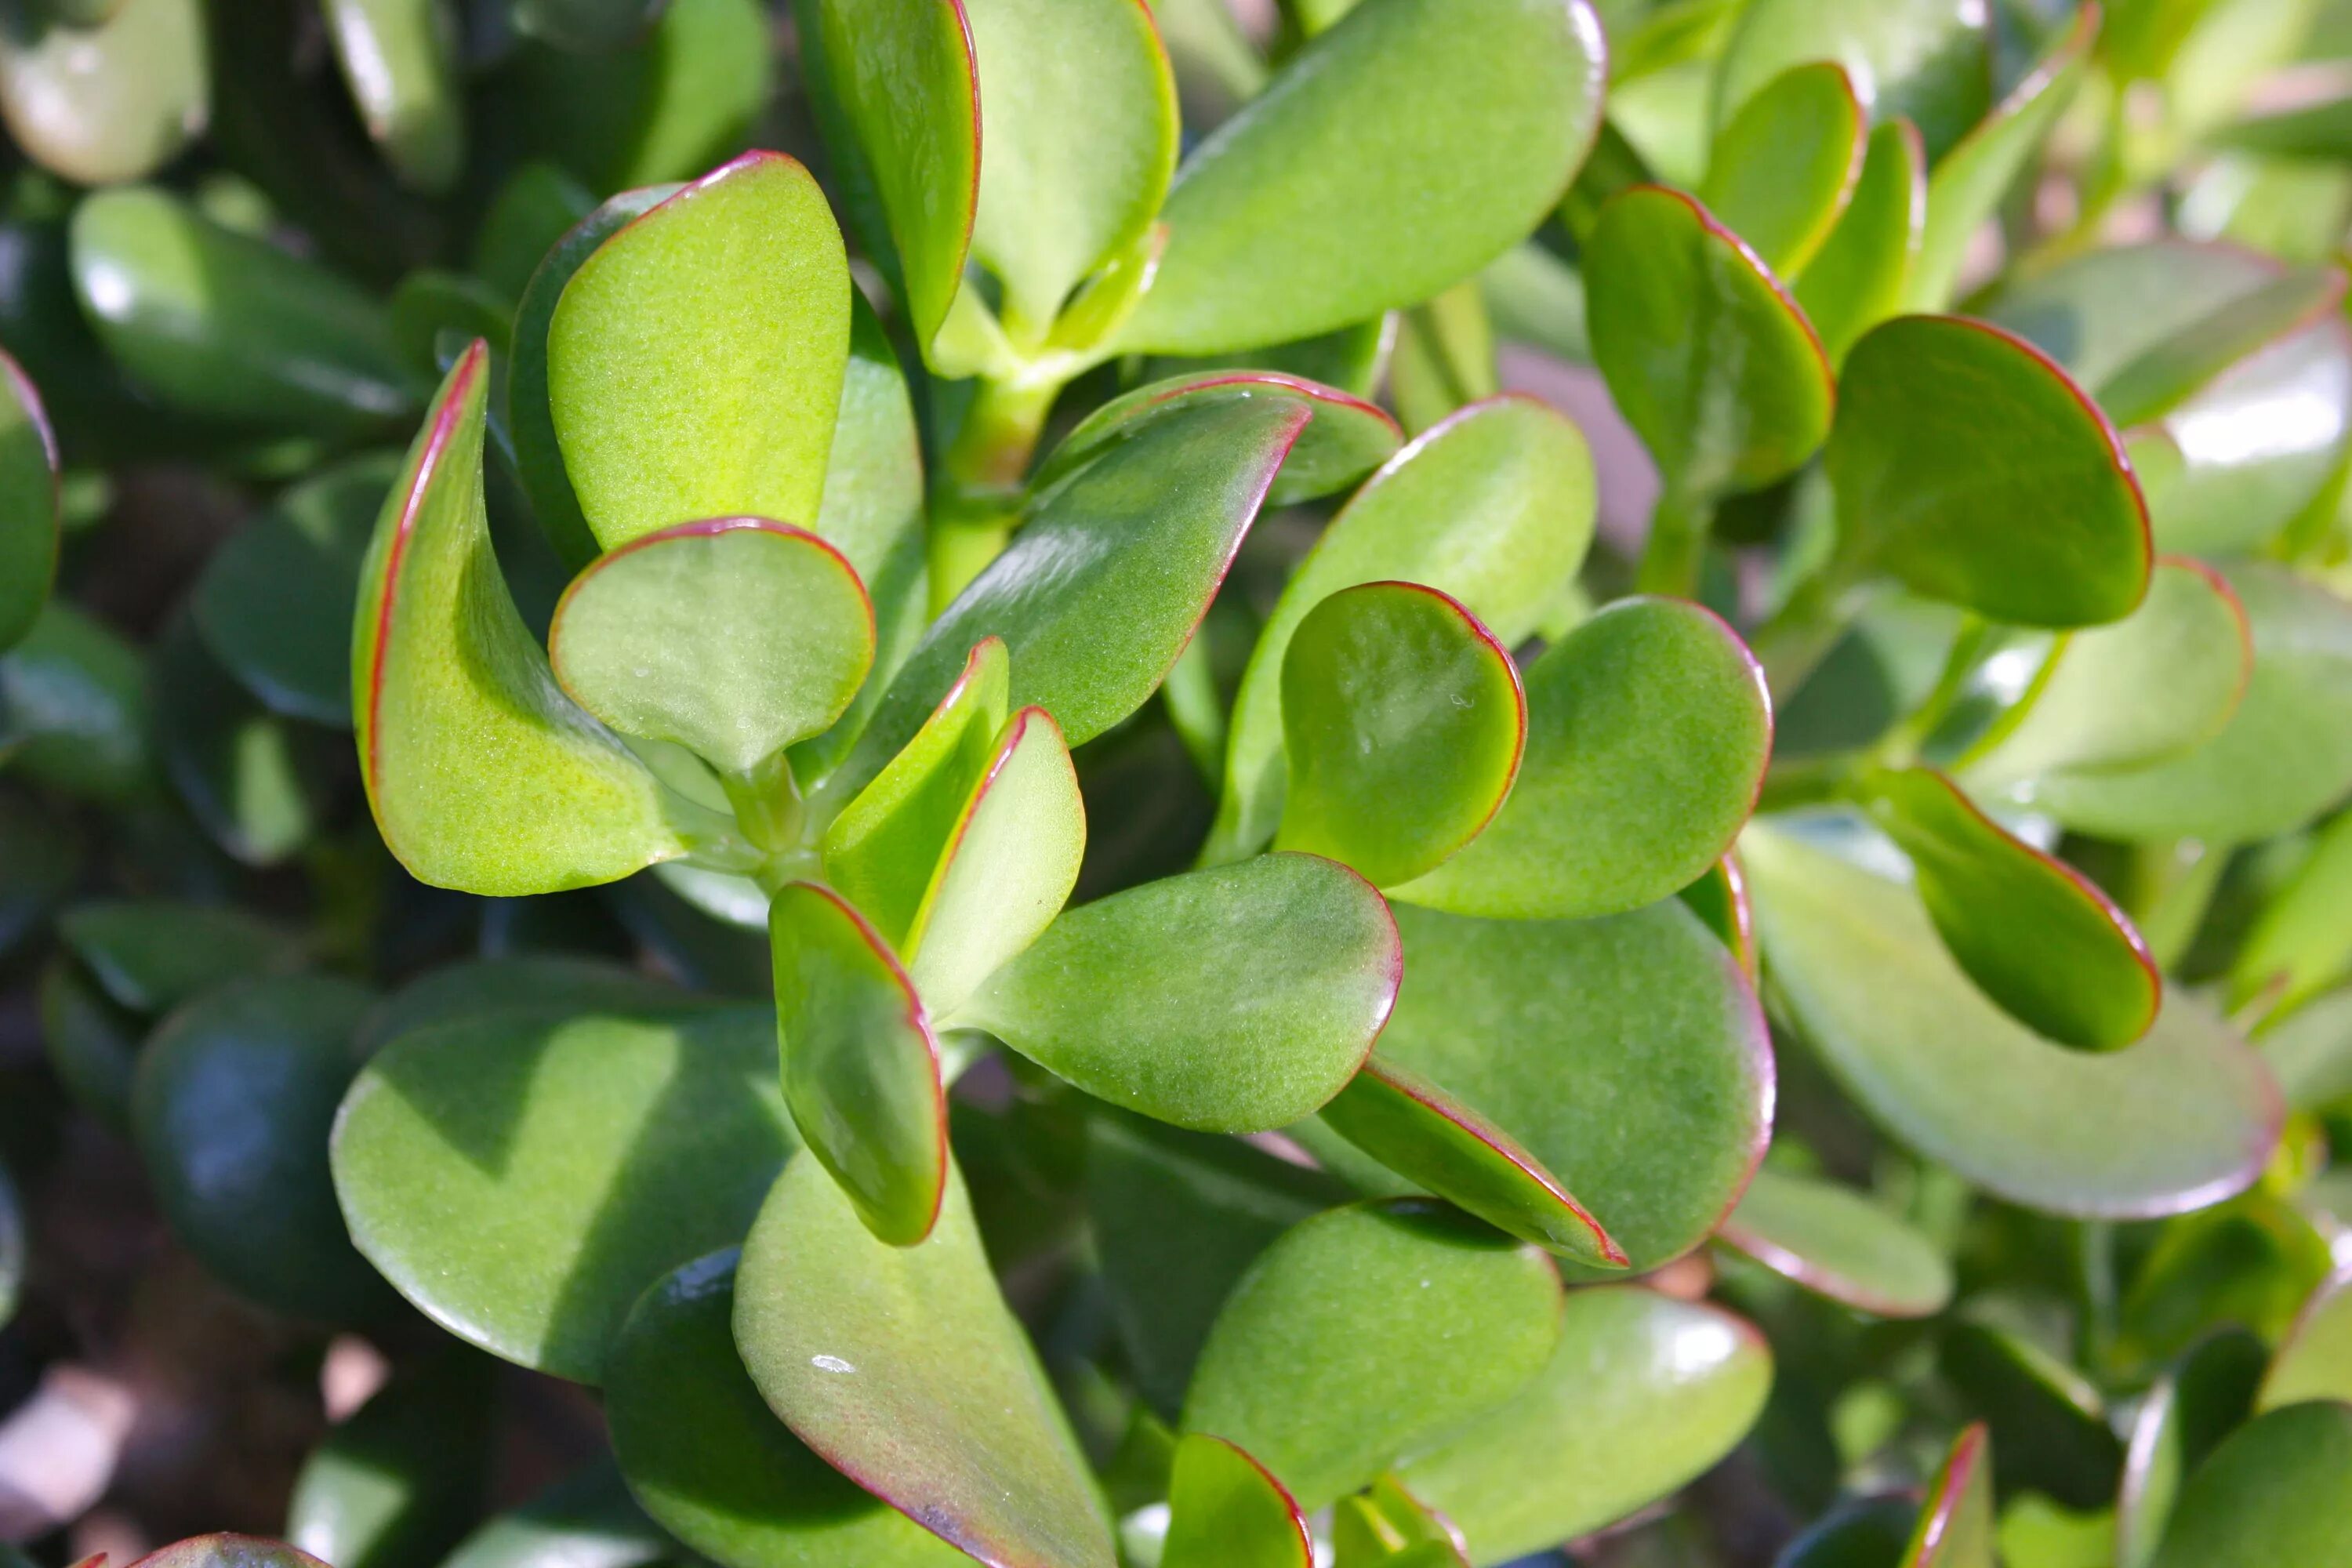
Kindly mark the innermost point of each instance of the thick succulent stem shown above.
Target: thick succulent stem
(977, 500)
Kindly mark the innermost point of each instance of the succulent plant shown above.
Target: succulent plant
(1439, 781)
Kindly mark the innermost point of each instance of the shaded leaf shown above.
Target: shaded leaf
(2273, 1493)
(1927, 60)
(399, 59)
(1840, 1244)
(29, 504)
(2314, 1360)
(394, 1484)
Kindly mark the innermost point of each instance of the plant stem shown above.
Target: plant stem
(978, 497)
(767, 803)
(1901, 747)
(1806, 626)
(1676, 546)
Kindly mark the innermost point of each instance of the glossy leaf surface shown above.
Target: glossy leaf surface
(861, 1071)
(29, 504)
(2273, 1493)
(399, 59)
(1345, 438)
(2283, 758)
(1624, 1053)
(231, 1107)
(1857, 278)
(1784, 166)
(1955, 1529)
(1648, 730)
(1230, 1000)
(1707, 357)
(1403, 724)
(482, 774)
(714, 1465)
(1459, 121)
(275, 603)
(2187, 1117)
(1105, 583)
(1226, 1512)
(1495, 508)
(221, 324)
(1642, 1393)
(1840, 1244)
(1366, 1332)
(254, 782)
(522, 1179)
(733, 637)
(1009, 864)
(2040, 939)
(1969, 467)
(1435, 1140)
(114, 102)
(693, 361)
(1924, 60)
(904, 1370)
(2164, 679)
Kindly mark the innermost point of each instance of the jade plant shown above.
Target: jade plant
(1381, 784)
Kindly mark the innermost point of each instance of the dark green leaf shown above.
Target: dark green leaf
(29, 504)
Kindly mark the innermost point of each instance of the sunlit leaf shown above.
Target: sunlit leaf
(1785, 165)
(1226, 1512)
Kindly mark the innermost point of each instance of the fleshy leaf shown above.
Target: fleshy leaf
(861, 1070)
(2164, 679)
(1641, 1394)
(482, 773)
(587, 1519)
(221, 324)
(1427, 1136)
(1625, 1053)
(74, 706)
(221, 1551)
(1968, 466)
(2204, 1397)
(733, 637)
(529, 420)
(1225, 1510)
(1840, 1244)
(543, 984)
(903, 1369)
(2274, 1493)
(2299, 944)
(1232, 1000)
(231, 1107)
(1177, 1217)
(1008, 867)
(1458, 122)
(1494, 508)
(29, 504)
(1345, 439)
(2314, 1360)
(1785, 165)
(1366, 1332)
(1403, 723)
(1648, 732)
(2168, 372)
(397, 1480)
(153, 954)
(276, 601)
(399, 59)
(2187, 1117)
(1969, 181)
(2283, 758)
(1856, 279)
(887, 845)
(2036, 934)
(521, 1178)
(1955, 1523)
(694, 362)
(714, 1465)
(1384, 1526)
(1924, 60)
(1104, 584)
(585, 25)
(111, 102)
(1080, 112)
(1718, 897)
(1708, 358)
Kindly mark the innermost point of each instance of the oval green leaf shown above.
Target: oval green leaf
(713, 1464)
(861, 1070)
(695, 360)
(1969, 467)
(396, 1482)
(1839, 1243)
(29, 504)
(152, 955)
(1493, 506)
(1345, 439)
(1226, 1510)
(1626, 1054)
(2274, 1493)
(1232, 1000)
(1366, 1332)
(1927, 60)
(2314, 1360)
(2034, 933)
(1404, 722)
(1430, 1139)
(522, 1179)
(1955, 1529)
(1648, 732)
(1709, 359)
(482, 774)
(1458, 122)
(1784, 167)
(903, 1368)
(399, 59)
(1642, 1393)
(2205, 1396)
(2184, 1118)
(110, 103)
(1855, 280)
